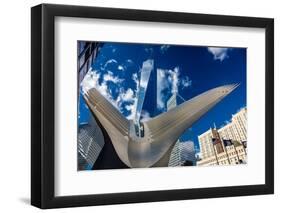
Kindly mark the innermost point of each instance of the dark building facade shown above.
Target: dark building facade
(87, 52)
(90, 138)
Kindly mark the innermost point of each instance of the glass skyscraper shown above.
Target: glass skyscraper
(147, 67)
(90, 144)
(175, 158)
(87, 52)
(187, 153)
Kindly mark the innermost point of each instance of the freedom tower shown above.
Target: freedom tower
(128, 147)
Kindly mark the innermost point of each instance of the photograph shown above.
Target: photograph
(146, 105)
(141, 105)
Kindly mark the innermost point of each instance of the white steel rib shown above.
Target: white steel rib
(160, 132)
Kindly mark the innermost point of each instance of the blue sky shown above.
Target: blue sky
(190, 70)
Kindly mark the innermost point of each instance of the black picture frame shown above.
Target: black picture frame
(43, 105)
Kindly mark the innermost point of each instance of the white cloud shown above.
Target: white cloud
(125, 99)
(103, 89)
(128, 100)
(169, 80)
(219, 53)
(166, 79)
(120, 67)
(132, 110)
(149, 50)
(129, 61)
(135, 78)
(109, 62)
(186, 82)
(174, 76)
(126, 96)
(90, 80)
(130, 97)
(164, 48)
(145, 116)
(110, 77)
(162, 83)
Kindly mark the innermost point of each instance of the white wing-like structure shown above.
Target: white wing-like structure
(160, 132)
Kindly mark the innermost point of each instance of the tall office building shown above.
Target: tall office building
(187, 153)
(237, 128)
(87, 52)
(240, 122)
(175, 158)
(146, 69)
(227, 145)
(150, 104)
(90, 144)
(90, 139)
(206, 143)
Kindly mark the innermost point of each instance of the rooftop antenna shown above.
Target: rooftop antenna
(180, 97)
(215, 126)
